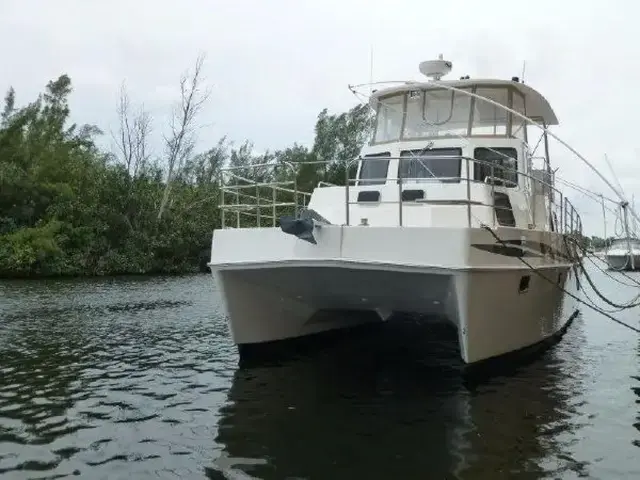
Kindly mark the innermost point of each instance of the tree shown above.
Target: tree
(69, 208)
(132, 138)
(339, 139)
(45, 168)
(9, 106)
(179, 144)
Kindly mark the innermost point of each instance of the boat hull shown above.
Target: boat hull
(497, 303)
(623, 262)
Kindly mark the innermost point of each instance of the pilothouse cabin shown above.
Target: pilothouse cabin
(452, 158)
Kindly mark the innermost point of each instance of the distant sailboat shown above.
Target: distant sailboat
(624, 254)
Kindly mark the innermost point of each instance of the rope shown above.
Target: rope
(565, 291)
(635, 282)
(631, 304)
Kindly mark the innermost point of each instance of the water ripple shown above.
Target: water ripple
(136, 378)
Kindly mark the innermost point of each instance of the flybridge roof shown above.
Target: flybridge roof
(537, 107)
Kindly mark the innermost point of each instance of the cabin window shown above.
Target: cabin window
(369, 196)
(436, 113)
(503, 209)
(373, 169)
(389, 118)
(489, 119)
(504, 162)
(441, 163)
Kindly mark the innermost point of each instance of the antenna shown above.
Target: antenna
(524, 66)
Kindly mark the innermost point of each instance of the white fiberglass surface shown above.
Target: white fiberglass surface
(623, 244)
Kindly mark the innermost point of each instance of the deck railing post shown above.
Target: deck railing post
(258, 205)
(399, 191)
(273, 207)
(493, 194)
(295, 196)
(346, 193)
(222, 207)
(237, 208)
(572, 211)
(550, 197)
(468, 193)
(561, 226)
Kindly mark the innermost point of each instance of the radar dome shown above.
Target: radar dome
(435, 69)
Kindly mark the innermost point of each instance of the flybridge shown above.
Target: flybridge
(442, 108)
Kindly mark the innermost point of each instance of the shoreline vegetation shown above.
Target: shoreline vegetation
(70, 208)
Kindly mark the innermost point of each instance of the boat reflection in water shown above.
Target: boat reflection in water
(385, 406)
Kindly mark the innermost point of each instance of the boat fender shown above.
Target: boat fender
(300, 227)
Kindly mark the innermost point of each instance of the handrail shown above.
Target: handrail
(562, 215)
(563, 205)
(269, 199)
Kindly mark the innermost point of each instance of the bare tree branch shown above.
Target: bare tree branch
(141, 132)
(132, 139)
(179, 144)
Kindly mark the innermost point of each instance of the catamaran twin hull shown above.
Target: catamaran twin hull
(276, 286)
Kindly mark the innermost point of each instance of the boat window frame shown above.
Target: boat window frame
(368, 182)
(402, 159)
(379, 104)
(477, 166)
(511, 90)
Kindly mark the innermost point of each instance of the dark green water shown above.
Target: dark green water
(136, 378)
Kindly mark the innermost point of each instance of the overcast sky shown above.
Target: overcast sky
(274, 64)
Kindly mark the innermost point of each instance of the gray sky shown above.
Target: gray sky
(274, 64)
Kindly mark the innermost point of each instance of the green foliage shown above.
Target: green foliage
(597, 243)
(67, 208)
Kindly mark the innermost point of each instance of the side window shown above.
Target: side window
(500, 163)
(440, 163)
(373, 169)
(389, 118)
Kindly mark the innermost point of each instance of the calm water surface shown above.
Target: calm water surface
(136, 378)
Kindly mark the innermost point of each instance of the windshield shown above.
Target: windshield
(435, 113)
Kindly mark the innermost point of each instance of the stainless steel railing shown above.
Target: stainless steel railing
(274, 192)
(569, 219)
(260, 201)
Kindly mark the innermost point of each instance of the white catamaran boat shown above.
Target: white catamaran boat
(624, 254)
(447, 204)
